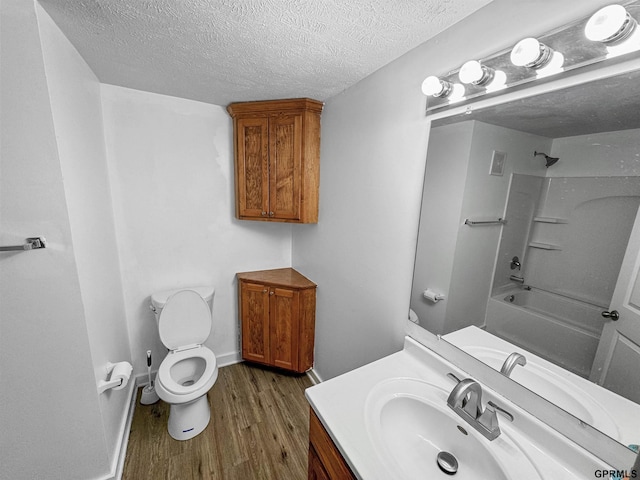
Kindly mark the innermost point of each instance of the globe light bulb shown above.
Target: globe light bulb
(531, 53)
(434, 87)
(474, 73)
(609, 25)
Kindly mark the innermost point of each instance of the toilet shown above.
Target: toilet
(190, 369)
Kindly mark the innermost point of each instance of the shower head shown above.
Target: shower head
(550, 160)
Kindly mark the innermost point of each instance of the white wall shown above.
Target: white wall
(50, 420)
(171, 170)
(374, 138)
(599, 154)
(442, 200)
(360, 253)
(77, 116)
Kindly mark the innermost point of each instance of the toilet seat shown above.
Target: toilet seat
(185, 320)
(206, 380)
(184, 324)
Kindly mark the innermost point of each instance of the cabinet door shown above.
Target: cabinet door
(255, 322)
(285, 166)
(325, 461)
(252, 175)
(284, 319)
(316, 469)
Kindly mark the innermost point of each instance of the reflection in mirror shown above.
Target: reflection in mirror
(529, 233)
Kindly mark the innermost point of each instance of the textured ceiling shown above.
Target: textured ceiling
(220, 51)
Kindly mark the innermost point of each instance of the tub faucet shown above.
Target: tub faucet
(466, 400)
(510, 363)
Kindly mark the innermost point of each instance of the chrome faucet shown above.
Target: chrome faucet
(466, 400)
(510, 363)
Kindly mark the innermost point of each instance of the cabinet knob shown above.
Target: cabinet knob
(271, 292)
(264, 214)
(271, 214)
(265, 290)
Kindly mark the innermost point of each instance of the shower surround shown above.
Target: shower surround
(570, 234)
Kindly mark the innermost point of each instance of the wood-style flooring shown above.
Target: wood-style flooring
(259, 429)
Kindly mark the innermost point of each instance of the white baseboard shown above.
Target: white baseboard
(227, 359)
(125, 434)
(117, 464)
(314, 377)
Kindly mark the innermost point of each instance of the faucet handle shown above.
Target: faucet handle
(489, 420)
(497, 409)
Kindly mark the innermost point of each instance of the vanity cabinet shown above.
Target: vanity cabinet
(277, 159)
(277, 314)
(325, 461)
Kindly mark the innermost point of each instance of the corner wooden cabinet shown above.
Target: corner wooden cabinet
(325, 461)
(277, 159)
(277, 314)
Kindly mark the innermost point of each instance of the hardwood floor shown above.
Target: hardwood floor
(259, 429)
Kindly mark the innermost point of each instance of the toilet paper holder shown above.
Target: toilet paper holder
(432, 295)
(119, 374)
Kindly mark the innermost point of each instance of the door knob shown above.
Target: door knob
(613, 315)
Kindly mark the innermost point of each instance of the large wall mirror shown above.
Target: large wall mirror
(530, 235)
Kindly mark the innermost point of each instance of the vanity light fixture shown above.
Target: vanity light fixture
(610, 32)
(532, 53)
(614, 27)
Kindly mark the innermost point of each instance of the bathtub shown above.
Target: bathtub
(556, 328)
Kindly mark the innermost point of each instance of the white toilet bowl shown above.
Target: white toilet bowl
(190, 369)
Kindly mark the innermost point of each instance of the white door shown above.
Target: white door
(617, 362)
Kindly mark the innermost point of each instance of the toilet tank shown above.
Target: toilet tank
(159, 299)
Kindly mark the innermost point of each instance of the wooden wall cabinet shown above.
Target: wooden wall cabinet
(277, 314)
(325, 461)
(277, 159)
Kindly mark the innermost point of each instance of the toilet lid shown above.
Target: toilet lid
(184, 320)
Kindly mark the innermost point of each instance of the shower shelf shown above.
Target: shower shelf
(549, 220)
(544, 246)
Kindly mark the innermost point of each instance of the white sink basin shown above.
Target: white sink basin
(409, 424)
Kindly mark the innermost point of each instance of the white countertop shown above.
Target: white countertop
(340, 406)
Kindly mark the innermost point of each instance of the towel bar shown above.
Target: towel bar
(476, 223)
(33, 243)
